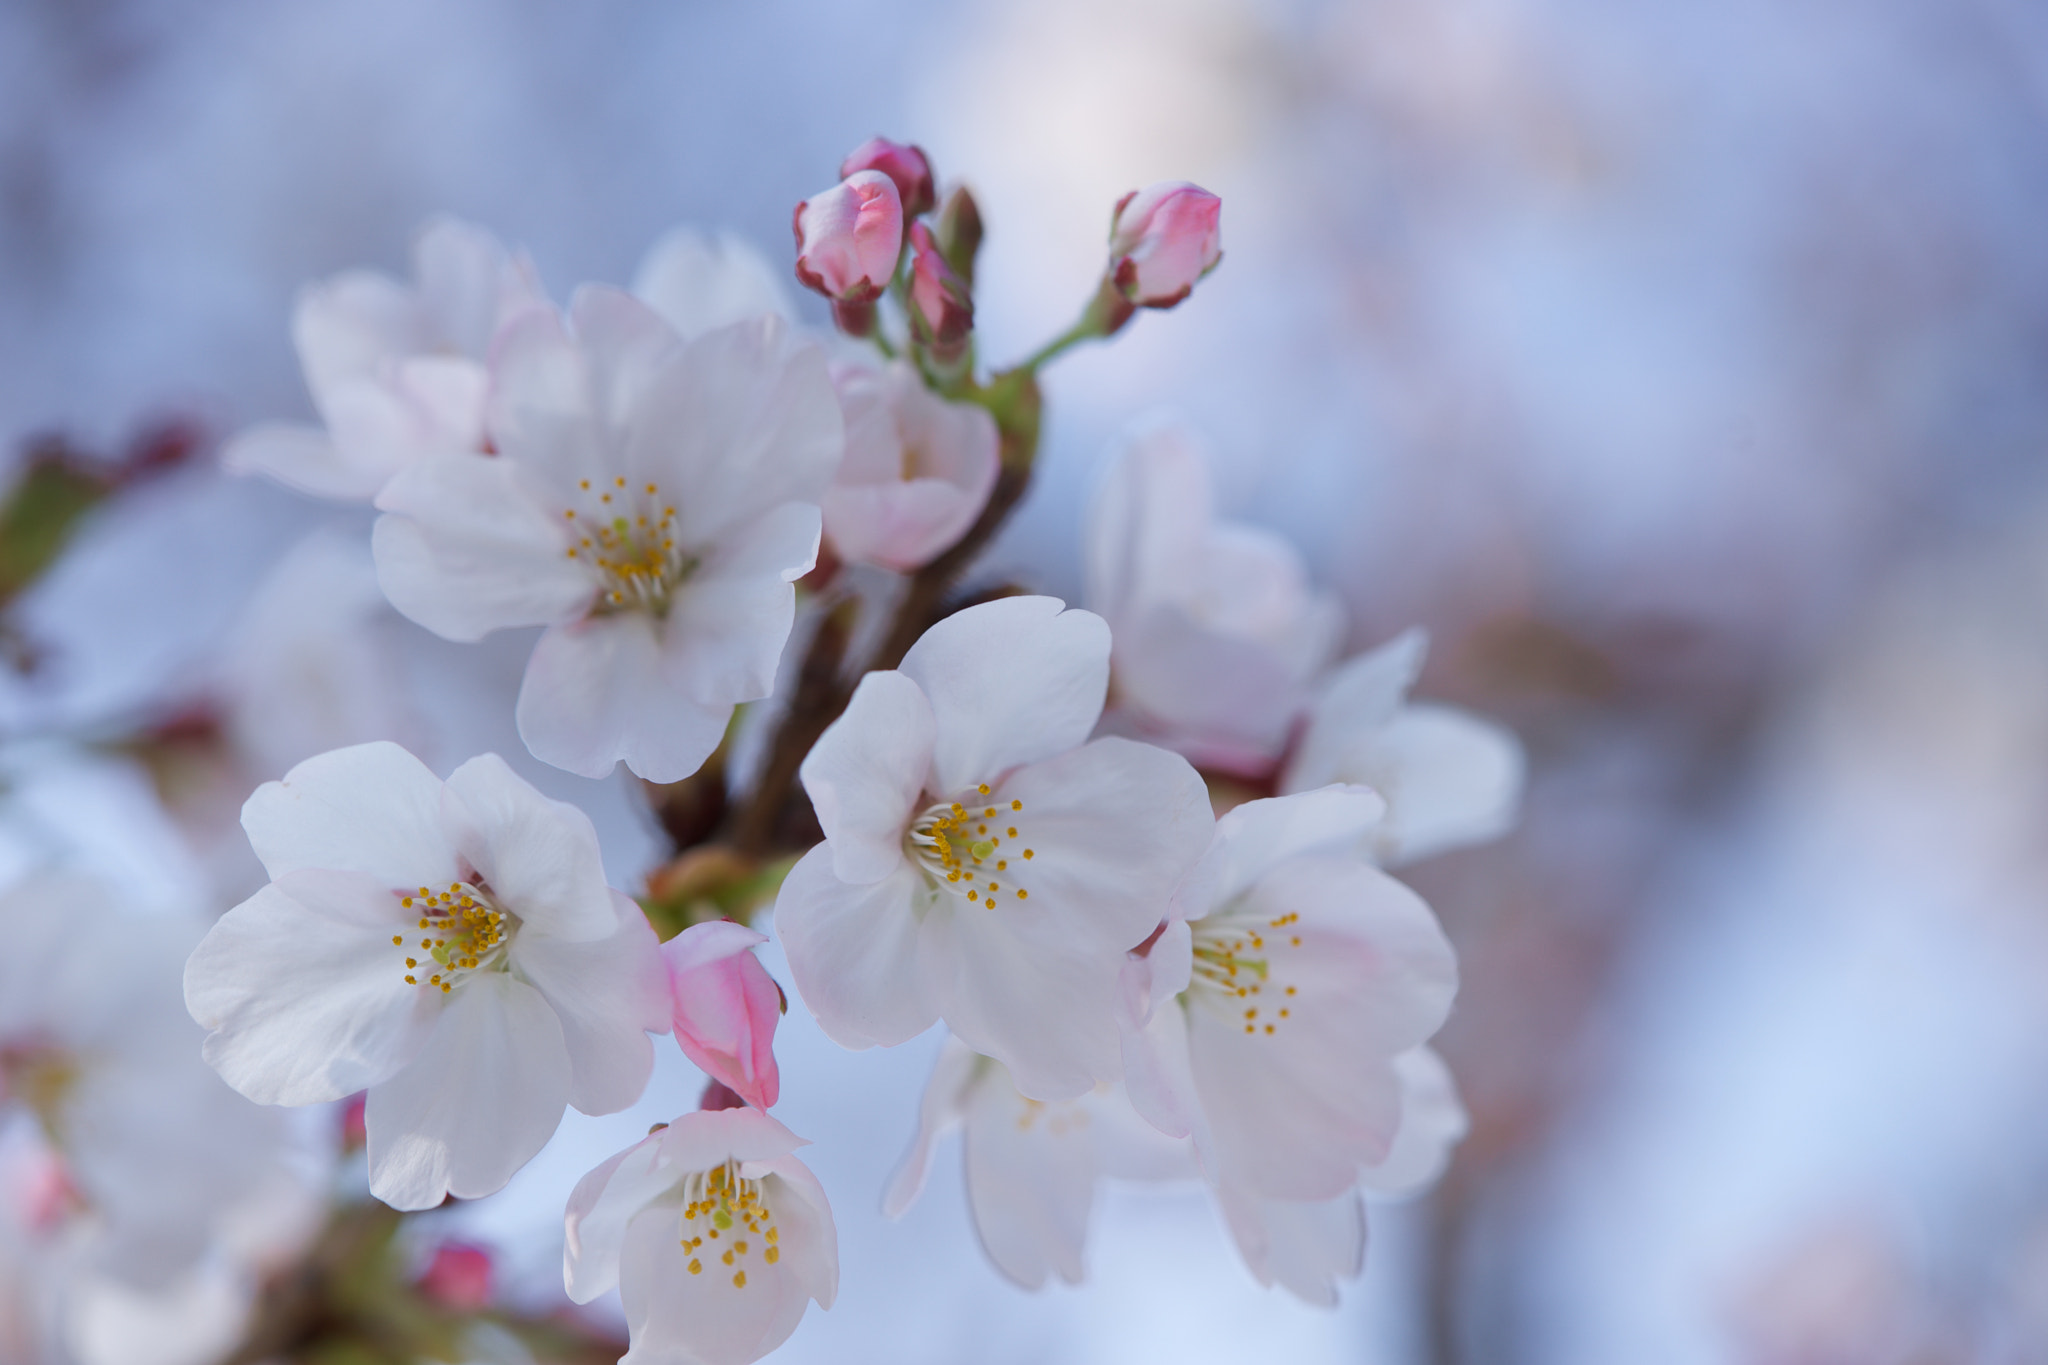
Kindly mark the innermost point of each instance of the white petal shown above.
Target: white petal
(1147, 519)
(742, 420)
(1159, 1079)
(603, 1202)
(465, 277)
(865, 773)
(938, 1113)
(627, 348)
(539, 857)
(728, 623)
(676, 1318)
(305, 458)
(1359, 698)
(1432, 1122)
(700, 283)
(1303, 1246)
(1011, 681)
(464, 548)
(1260, 835)
(543, 413)
(609, 994)
(596, 693)
(902, 525)
(1222, 700)
(1031, 1172)
(853, 951)
(810, 1235)
(304, 992)
(484, 1094)
(370, 808)
(426, 405)
(1450, 778)
(345, 327)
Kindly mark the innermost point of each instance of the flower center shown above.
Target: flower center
(626, 537)
(1241, 966)
(39, 1075)
(461, 930)
(731, 1212)
(973, 847)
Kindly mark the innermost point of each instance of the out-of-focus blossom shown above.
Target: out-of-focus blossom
(458, 1275)
(849, 237)
(982, 862)
(903, 163)
(725, 1007)
(396, 371)
(652, 502)
(450, 947)
(716, 1236)
(1289, 980)
(1163, 239)
(1031, 1167)
(1450, 778)
(941, 308)
(699, 283)
(1217, 632)
(918, 469)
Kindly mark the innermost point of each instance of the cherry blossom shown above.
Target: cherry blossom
(1450, 778)
(725, 1007)
(982, 862)
(396, 371)
(1218, 633)
(848, 238)
(700, 283)
(450, 947)
(903, 163)
(652, 502)
(1290, 978)
(918, 469)
(715, 1235)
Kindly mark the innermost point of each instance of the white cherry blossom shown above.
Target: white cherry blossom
(715, 1235)
(918, 469)
(1450, 778)
(450, 947)
(1292, 976)
(1218, 632)
(652, 502)
(699, 282)
(396, 370)
(982, 863)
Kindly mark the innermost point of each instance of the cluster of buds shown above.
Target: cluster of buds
(863, 238)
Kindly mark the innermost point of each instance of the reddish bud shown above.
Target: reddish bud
(720, 1096)
(941, 310)
(906, 165)
(725, 1007)
(848, 238)
(1162, 239)
(354, 1131)
(459, 1277)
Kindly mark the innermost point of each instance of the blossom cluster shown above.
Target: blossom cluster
(1133, 855)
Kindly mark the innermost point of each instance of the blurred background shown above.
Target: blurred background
(1683, 369)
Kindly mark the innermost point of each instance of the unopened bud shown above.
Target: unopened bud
(718, 1095)
(959, 233)
(848, 238)
(1162, 239)
(941, 309)
(458, 1277)
(908, 166)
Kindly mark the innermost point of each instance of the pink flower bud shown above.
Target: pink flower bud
(848, 238)
(1162, 239)
(725, 1007)
(941, 311)
(458, 1277)
(906, 165)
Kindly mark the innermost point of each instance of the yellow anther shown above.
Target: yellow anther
(1011, 831)
(411, 982)
(412, 962)
(1021, 895)
(696, 1266)
(739, 1279)
(1029, 853)
(397, 939)
(771, 1255)
(1016, 805)
(983, 789)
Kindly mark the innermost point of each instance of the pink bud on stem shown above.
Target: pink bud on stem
(941, 309)
(1163, 239)
(725, 1007)
(907, 165)
(848, 239)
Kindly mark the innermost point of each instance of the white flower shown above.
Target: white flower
(699, 283)
(918, 469)
(452, 948)
(716, 1236)
(1218, 633)
(982, 864)
(652, 502)
(1031, 1166)
(1292, 977)
(396, 371)
(1032, 1169)
(1450, 778)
